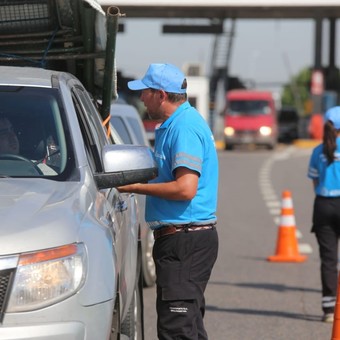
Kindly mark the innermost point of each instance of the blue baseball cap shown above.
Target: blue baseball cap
(164, 77)
(333, 114)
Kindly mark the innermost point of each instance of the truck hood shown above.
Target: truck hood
(39, 214)
(249, 122)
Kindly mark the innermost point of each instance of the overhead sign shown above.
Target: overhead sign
(317, 83)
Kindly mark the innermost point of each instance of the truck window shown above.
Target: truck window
(248, 107)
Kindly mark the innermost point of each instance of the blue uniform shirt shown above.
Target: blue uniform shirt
(328, 176)
(185, 140)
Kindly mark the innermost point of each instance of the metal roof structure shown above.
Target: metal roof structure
(217, 11)
(222, 9)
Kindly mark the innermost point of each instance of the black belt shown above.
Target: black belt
(172, 229)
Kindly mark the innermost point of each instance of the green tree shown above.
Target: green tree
(297, 92)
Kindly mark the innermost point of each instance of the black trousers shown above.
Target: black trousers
(326, 225)
(184, 262)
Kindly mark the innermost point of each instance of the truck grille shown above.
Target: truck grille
(5, 285)
(250, 133)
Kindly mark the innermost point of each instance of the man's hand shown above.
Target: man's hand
(129, 188)
(184, 187)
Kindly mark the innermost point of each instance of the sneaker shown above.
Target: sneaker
(328, 317)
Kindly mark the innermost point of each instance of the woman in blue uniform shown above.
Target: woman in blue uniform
(324, 170)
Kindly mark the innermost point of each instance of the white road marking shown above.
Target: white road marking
(298, 233)
(269, 196)
(305, 248)
(273, 204)
(275, 212)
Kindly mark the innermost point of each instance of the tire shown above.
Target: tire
(133, 324)
(149, 269)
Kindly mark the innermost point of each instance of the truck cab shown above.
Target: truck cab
(250, 118)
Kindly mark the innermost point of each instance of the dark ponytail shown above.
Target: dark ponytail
(329, 141)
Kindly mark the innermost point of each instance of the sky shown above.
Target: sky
(263, 51)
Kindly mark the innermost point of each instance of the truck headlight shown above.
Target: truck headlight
(229, 131)
(46, 277)
(265, 130)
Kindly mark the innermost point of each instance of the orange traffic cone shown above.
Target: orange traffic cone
(336, 322)
(287, 246)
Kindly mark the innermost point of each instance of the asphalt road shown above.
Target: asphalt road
(249, 297)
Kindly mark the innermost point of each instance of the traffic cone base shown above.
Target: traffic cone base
(336, 322)
(287, 246)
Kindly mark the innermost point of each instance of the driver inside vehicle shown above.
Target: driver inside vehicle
(10, 151)
(9, 143)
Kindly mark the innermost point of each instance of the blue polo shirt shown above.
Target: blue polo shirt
(185, 140)
(328, 176)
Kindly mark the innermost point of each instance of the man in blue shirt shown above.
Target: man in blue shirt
(181, 202)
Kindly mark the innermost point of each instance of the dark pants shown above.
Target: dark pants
(326, 225)
(184, 262)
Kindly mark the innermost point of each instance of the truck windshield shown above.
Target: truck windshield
(32, 138)
(248, 107)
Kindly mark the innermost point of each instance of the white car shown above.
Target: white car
(126, 120)
(70, 259)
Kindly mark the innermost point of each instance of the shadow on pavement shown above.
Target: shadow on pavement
(269, 286)
(267, 313)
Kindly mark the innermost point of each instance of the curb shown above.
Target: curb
(219, 144)
(307, 143)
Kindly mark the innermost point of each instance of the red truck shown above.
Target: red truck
(250, 118)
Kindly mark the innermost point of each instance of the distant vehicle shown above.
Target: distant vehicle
(126, 120)
(288, 124)
(250, 118)
(70, 258)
